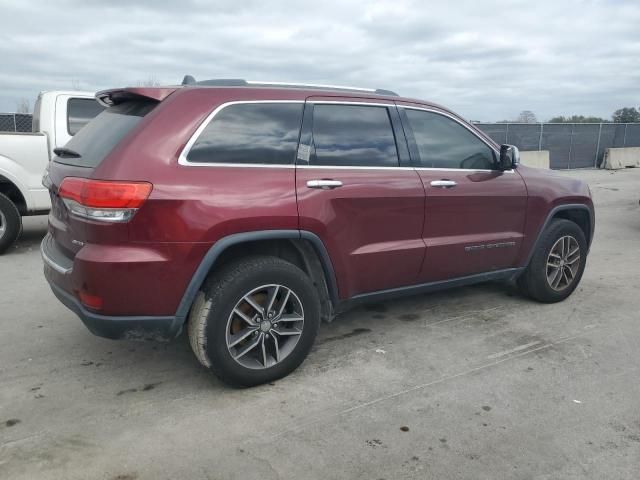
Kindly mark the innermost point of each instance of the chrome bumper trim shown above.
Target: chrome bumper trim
(49, 261)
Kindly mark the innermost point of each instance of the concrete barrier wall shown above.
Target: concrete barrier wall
(537, 159)
(616, 158)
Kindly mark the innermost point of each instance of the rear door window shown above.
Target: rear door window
(81, 111)
(94, 142)
(252, 133)
(353, 135)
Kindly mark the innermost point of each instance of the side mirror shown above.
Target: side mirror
(509, 157)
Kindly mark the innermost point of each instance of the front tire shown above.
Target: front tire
(10, 223)
(254, 321)
(557, 264)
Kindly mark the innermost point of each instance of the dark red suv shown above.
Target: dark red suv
(248, 213)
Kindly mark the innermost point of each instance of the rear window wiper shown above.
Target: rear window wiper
(66, 152)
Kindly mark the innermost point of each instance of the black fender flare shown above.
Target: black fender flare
(552, 214)
(225, 242)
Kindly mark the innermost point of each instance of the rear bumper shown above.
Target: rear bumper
(58, 271)
(139, 328)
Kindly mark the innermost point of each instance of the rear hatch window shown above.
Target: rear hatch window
(94, 142)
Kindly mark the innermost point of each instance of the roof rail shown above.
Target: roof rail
(238, 82)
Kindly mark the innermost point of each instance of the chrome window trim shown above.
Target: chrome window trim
(481, 170)
(182, 158)
(338, 167)
(347, 102)
(349, 167)
(186, 163)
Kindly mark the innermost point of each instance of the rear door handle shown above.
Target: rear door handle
(443, 183)
(324, 184)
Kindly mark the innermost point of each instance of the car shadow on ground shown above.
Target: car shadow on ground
(151, 363)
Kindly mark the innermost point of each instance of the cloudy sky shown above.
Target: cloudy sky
(488, 60)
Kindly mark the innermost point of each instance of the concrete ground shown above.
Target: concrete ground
(474, 383)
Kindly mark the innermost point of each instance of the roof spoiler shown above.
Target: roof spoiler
(112, 97)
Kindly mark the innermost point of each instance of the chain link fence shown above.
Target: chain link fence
(570, 145)
(15, 122)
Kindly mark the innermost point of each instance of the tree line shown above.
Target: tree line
(622, 115)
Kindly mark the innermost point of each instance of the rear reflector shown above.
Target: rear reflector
(91, 301)
(103, 200)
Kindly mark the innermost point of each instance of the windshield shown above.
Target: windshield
(94, 142)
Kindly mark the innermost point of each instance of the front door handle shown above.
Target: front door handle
(443, 183)
(324, 184)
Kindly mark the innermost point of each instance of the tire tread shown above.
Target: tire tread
(532, 283)
(14, 223)
(213, 293)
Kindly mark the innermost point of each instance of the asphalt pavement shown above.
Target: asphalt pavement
(473, 383)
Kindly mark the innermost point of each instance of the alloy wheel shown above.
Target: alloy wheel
(264, 326)
(563, 263)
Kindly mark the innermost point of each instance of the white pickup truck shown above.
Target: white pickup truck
(57, 116)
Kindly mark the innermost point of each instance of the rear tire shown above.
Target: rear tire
(557, 264)
(10, 223)
(232, 312)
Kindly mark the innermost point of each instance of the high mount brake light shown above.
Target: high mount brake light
(103, 200)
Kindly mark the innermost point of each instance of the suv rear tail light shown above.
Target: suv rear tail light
(103, 200)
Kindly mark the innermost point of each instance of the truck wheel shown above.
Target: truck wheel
(10, 223)
(254, 321)
(557, 263)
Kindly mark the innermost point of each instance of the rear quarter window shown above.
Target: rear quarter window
(101, 135)
(251, 133)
